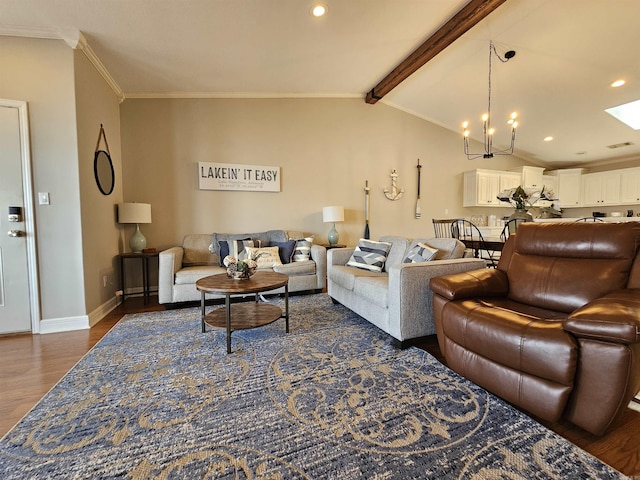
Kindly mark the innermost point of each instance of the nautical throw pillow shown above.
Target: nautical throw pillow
(302, 251)
(370, 255)
(235, 248)
(285, 249)
(420, 253)
(265, 257)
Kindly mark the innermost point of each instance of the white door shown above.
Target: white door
(15, 302)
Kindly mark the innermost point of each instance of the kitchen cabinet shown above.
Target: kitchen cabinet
(602, 188)
(568, 187)
(481, 187)
(531, 177)
(630, 186)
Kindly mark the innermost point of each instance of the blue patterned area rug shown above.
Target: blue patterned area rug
(333, 399)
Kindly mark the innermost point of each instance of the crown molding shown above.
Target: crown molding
(72, 37)
(239, 95)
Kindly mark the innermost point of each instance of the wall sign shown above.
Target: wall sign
(232, 176)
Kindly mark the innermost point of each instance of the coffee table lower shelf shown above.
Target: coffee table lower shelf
(244, 316)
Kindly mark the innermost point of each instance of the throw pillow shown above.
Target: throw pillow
(303, 249)
(265, 257)
(420, 253)
(235, 248)
(370, 255)
(285, 249)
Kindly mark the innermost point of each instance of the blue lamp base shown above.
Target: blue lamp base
(333, 235)
(137, 242)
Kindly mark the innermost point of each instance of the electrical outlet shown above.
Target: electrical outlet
(104, 281)
(446, 211)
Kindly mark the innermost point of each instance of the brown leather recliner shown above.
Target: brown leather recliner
(555, 328)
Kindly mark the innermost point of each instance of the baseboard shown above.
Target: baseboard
(82, 322)
(634, 404)
(102, 311)
(65, 324)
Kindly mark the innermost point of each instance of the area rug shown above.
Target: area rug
(333, 399)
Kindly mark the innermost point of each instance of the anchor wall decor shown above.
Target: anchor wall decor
(394, 194)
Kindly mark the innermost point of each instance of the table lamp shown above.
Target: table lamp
(333, 215)
(135, 213)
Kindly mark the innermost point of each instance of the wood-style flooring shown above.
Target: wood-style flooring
(30, 365)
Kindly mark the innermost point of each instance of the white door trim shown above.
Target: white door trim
(29, 223)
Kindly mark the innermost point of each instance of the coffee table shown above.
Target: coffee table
(243, 315)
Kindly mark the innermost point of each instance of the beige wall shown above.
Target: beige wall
(96, 105)
(327, 148)
(41, 73)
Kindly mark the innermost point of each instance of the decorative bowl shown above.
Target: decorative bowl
(236, 275)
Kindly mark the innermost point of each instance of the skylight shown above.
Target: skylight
(628, 113)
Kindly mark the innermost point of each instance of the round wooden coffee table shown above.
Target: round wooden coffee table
(243, 315)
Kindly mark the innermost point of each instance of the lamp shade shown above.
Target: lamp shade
(333, 214)
(134, 213)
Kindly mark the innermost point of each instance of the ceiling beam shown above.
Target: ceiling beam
(466, 18)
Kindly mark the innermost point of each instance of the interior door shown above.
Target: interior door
(15, 305)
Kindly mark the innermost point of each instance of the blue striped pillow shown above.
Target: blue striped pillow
(370, 255)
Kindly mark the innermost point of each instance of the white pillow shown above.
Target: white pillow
(265, 257)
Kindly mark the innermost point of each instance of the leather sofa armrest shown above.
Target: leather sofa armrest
(169, 262)
(486, 282)
(612, 318)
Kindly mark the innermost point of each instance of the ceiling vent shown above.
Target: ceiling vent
(620, 145)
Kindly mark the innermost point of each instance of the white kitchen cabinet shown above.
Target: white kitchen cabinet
(481, 187)
(531, 177)
(568, 186)
(509, 180)
(630, 186)
(602, 188)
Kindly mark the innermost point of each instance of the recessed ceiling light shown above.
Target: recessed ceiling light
(628, 113)
(319, 10)
(548, 138)
(618, 83)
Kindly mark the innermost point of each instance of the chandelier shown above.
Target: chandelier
(487, 129)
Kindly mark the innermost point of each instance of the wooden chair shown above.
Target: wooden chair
(442, 227)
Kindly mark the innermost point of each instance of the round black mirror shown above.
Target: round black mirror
(103, 170)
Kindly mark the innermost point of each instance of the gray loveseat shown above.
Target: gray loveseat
(199, 256)
(398, 299)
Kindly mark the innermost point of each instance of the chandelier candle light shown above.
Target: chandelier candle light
(487, 129)
(135, 213)
(333, 215)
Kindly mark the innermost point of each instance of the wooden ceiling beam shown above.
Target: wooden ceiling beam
(466, 18)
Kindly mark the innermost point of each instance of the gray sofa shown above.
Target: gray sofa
(199, 256)
(398, 299)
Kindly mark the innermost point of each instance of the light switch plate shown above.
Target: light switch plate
(43, 198)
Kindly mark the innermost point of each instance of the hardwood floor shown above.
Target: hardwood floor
(33, 364)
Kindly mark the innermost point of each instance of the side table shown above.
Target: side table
(329, 247)
(144, 264)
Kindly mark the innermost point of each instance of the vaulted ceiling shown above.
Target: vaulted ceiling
(568, 52)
